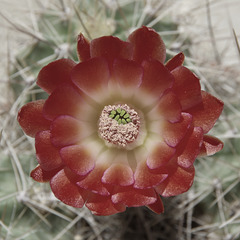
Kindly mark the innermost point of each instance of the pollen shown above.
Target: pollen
(118, 125)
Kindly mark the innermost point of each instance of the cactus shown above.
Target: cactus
(29, 210)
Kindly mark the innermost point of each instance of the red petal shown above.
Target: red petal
(132, 197)
(83, 48)
(91, 76)
(127, 73)
(65, 100)
(178, 181)
(147, 45)
(191, 148)
(156, 78)
(169, 107)
(206, 114)
(66, 130)
(173, 133)
(72, 176)
(118, 174)
(187, 87)
(210, 146)
(31, 119)
(66, 191)
(160, 155)
(157, 207)
(77, 159)
(47, 155)
(55, 74)
(146, 179)
(103, 206)
(40, 175)
(175, 62)
(110, 48)
(93, 181)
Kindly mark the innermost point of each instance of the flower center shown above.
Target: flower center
(119, 125)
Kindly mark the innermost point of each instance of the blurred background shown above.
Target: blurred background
(36, 32)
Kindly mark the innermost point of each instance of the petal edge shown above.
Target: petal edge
(206, 113)
(66, 191)
(147, 45)
(31, 119)
(210, 146)
(55, 74)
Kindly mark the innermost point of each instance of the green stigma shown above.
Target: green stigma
(120, 116)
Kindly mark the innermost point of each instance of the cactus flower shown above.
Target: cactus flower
(120, 128)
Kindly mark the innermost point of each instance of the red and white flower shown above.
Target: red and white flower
(120, 128)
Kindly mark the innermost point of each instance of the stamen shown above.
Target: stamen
(119, 125)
